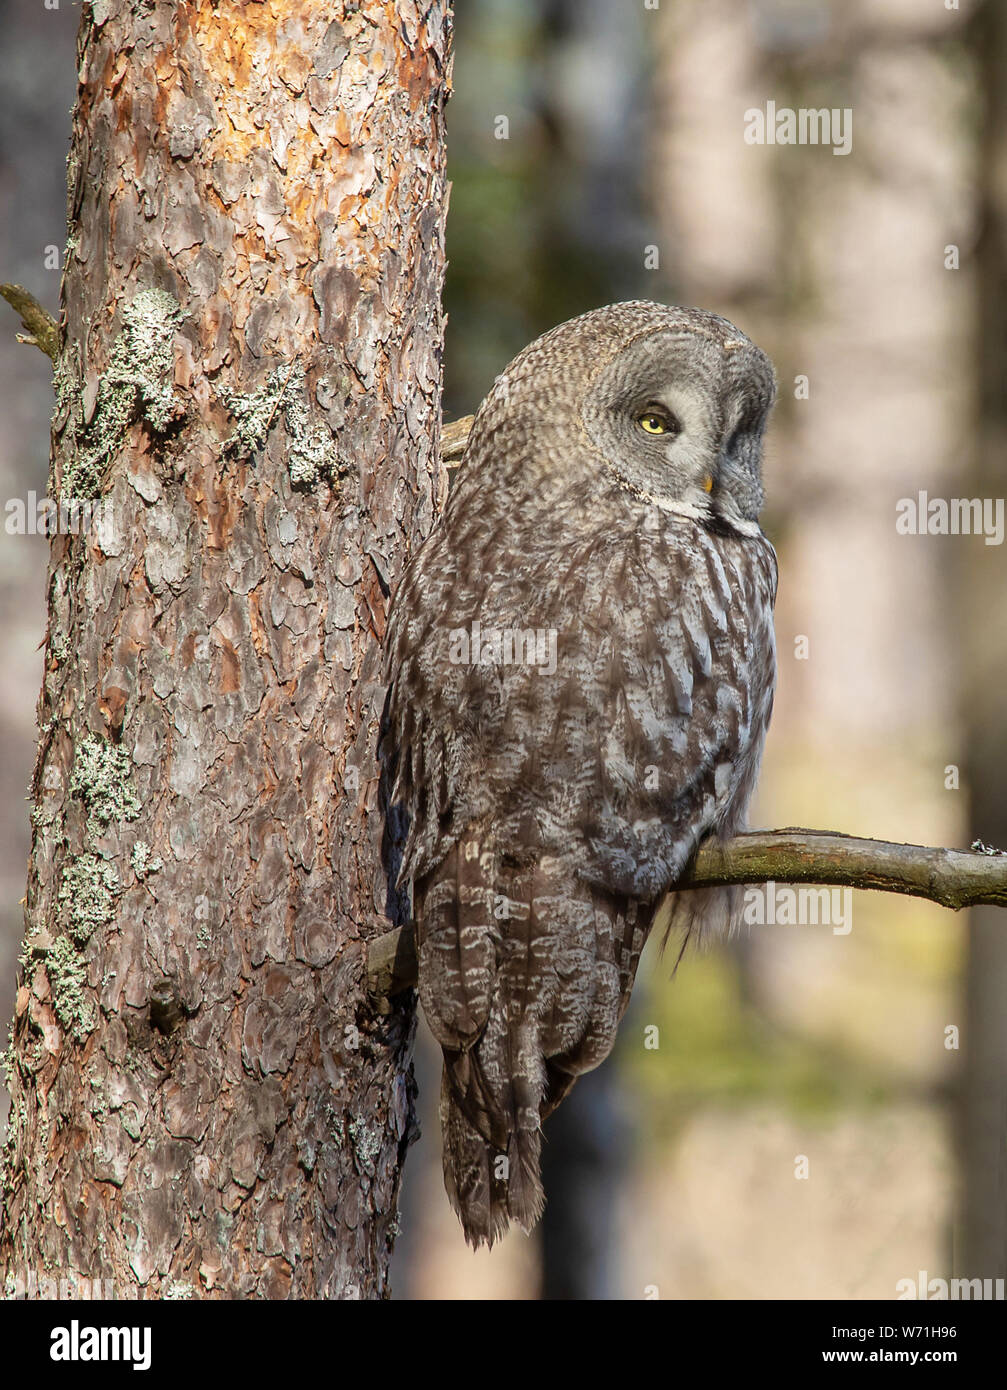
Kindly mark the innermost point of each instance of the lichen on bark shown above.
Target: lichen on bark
(101, 778)
(312, 454)
(135, 385)
(87, 895)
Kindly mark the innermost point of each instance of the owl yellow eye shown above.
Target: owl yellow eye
(652, 422)
(708, 483)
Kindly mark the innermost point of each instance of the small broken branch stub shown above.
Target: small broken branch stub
(41, 329)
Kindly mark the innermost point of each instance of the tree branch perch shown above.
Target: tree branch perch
(953, 878)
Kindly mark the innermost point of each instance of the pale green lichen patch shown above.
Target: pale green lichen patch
(255, 411)
(101, 778)
(136, 385)
(10, 1140)
(87, 895)
(335, 1124)
(16, 1121)
(141, 861)
(87, 901)
(366, 1144)
(7, 1060)
(63, 387)
(99, 1105)
(312, 455)
(34, 944)
(67, 971)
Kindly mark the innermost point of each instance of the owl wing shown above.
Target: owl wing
(690, 706)
(683, 667)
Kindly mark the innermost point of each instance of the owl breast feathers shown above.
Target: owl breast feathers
(580, 668)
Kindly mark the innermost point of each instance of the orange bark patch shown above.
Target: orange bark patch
(112, 704)
(230, 668)
(220, 519)
(255, 622)
(124, 113)
(414, 76)
(228, 37)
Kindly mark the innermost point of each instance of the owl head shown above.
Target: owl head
(670, 402)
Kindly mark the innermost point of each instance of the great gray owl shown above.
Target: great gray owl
(580, 668)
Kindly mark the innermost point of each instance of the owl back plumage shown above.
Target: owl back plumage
(580, 677)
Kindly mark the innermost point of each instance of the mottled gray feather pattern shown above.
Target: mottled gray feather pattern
(551, 810)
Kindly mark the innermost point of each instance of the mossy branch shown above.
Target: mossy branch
(951, 877)
(954, 878)
(42, 331)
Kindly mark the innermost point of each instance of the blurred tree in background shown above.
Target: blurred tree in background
(547, 222)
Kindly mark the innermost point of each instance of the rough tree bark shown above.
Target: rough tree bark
(205, 1099)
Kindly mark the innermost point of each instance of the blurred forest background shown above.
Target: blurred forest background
(625, 174)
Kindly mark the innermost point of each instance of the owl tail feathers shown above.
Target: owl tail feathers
(489, 1184)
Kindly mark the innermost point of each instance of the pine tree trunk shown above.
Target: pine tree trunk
(205, 1101)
